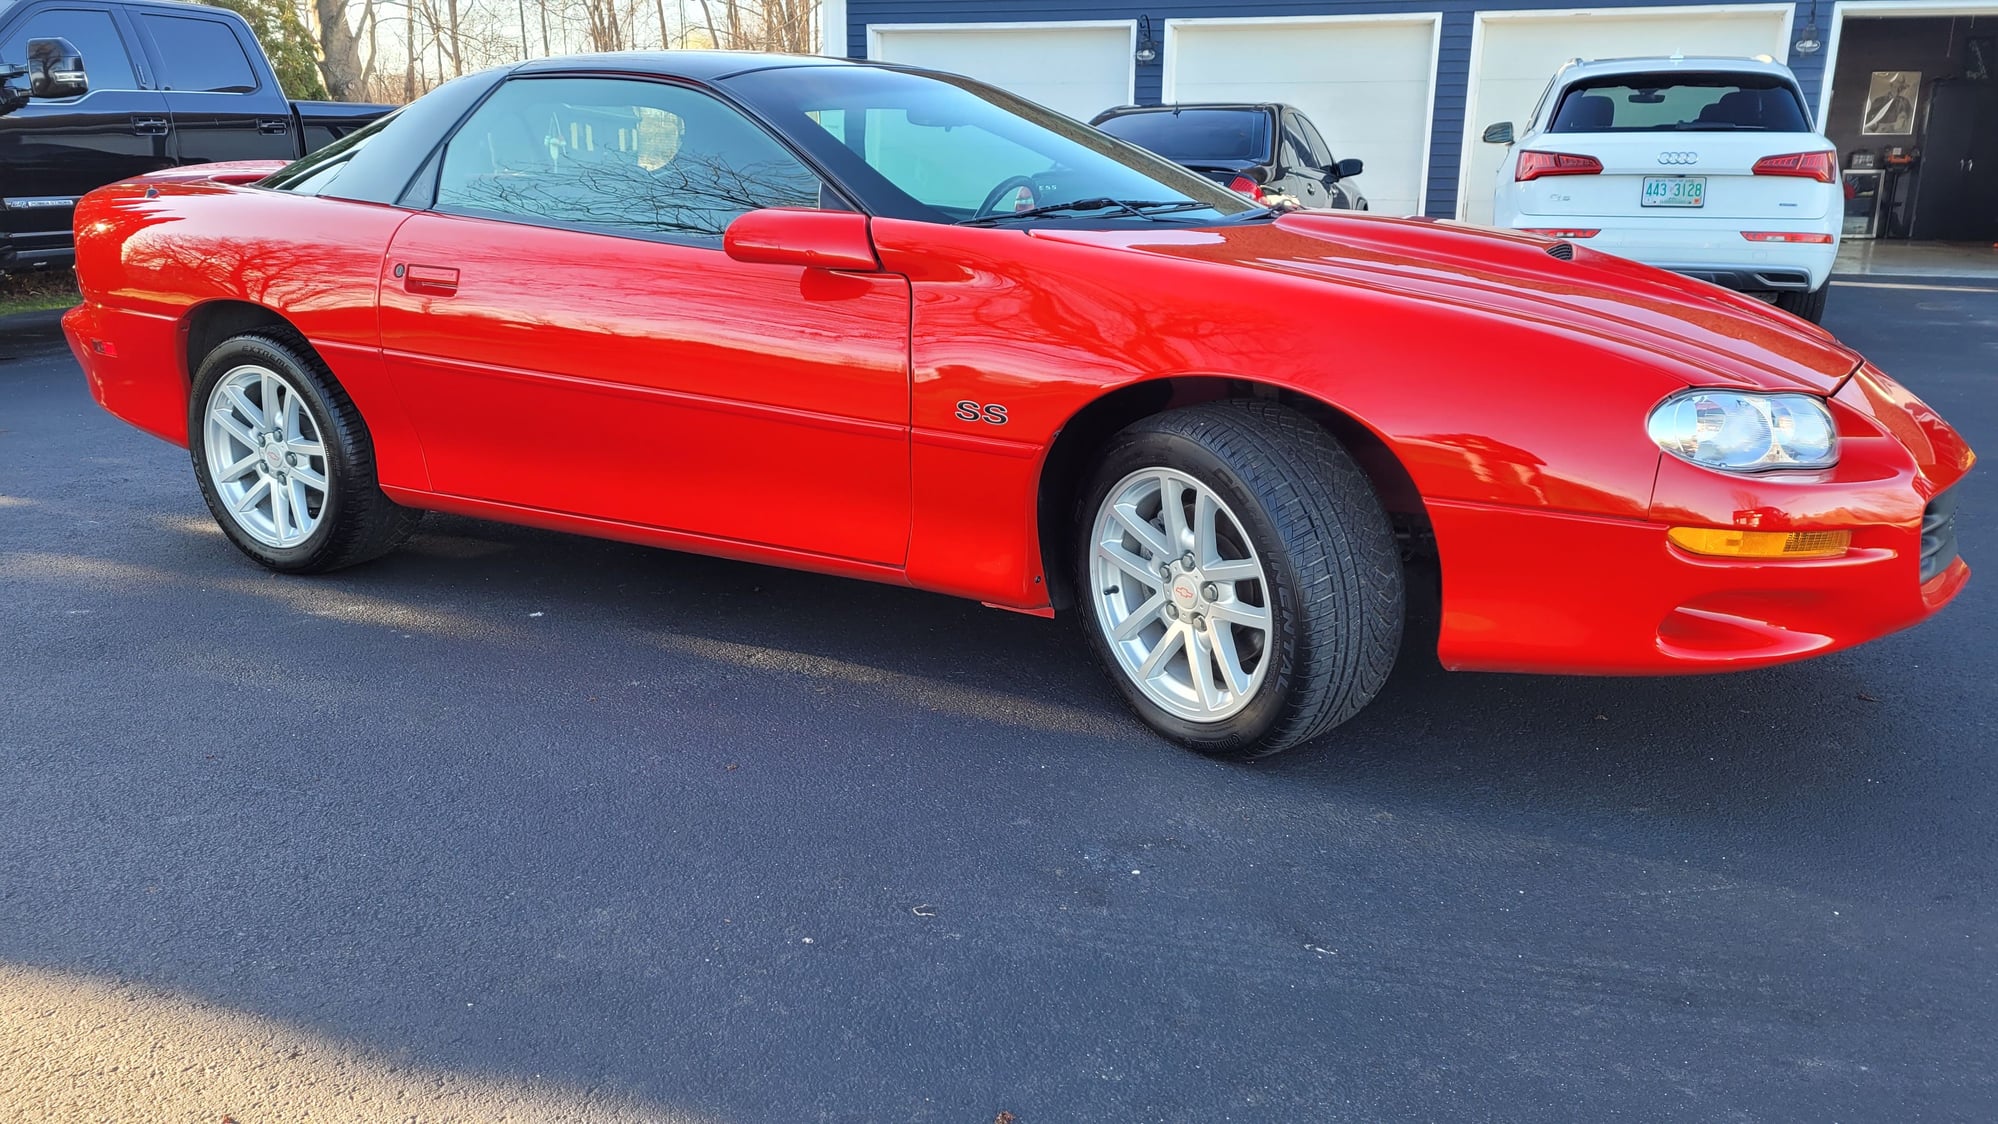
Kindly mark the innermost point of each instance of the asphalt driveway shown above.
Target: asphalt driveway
(518, 826)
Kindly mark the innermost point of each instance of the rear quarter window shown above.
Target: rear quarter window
(1644, 103)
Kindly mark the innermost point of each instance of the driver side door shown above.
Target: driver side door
(570, 337)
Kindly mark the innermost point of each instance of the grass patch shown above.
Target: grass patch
(36, 292)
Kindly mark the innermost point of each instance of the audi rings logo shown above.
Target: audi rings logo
(1678, 158)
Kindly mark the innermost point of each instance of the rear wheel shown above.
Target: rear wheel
(1240, 581)
(1809, 306)
(284, 460)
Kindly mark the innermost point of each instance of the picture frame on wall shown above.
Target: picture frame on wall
(1890, 103)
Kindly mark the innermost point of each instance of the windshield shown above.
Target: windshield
(1197, 136)
(940, 148)
(1643, 103)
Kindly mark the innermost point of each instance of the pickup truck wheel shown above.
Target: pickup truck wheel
(1809, 306)
(1240, 581)
(284, 460)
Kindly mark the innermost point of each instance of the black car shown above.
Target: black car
(94, 91)
(1267, 150)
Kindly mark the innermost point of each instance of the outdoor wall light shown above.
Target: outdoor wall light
(1807, 43)
(1148, 50)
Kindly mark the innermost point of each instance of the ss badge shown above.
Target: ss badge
(991, 413)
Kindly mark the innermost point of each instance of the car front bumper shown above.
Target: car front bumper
(1568, 593)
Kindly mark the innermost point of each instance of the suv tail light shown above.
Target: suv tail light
(1248, 187)
(1533, 165)
(1819, 166)
(1562, 231)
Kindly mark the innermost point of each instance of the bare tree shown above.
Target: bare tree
(343, 62)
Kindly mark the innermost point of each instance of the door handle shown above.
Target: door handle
(148, 125)
(274, 126)
(429, 280)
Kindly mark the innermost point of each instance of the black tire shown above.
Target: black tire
(357, 522)
(1335, 586)
(1808, 306)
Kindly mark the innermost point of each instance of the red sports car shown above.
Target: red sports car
(898, 325)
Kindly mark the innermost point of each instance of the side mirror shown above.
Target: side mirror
(1347, 168)
(55, 69)
(1500, 133)
(793, 236)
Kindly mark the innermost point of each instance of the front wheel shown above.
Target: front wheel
(1809, 306)
(1239, 579)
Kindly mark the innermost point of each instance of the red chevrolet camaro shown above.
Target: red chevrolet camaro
(898, 325)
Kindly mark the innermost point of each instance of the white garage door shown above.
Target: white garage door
(1366, 82)
(1514, 55)
(1080, 69)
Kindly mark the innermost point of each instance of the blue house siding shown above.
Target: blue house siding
(1454, 50)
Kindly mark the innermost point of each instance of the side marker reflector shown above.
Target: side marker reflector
(1720, 542)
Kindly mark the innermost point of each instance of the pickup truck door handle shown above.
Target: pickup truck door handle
(149, 125)
(429, 280)
(273, 125)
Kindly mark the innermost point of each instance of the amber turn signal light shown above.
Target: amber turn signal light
(1723, 543)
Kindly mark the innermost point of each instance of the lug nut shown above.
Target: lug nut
(1172, 612)
(1187, 560)
(292, 459)
(1199, 620)
(1166, 572)
(1210, 591)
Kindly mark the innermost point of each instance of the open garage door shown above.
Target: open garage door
(1080, 68)
(1513, 54)
(1367, 82)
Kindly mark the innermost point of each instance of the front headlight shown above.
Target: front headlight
(1740, 431)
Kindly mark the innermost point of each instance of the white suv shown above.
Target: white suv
(1708, 167)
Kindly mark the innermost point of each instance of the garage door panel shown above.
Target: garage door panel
(1517, 56)
(1080, 71)
(1365, 85)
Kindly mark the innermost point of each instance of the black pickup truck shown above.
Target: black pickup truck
(98, 90)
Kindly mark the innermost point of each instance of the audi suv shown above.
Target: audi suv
(1709, 167)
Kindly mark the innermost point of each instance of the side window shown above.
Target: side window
(621, 156)
(1294, 153)
(91, 32)
(1321, 156)
(1533, 118)
(199, 55)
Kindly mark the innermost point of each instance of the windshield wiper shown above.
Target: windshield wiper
(1142, 208)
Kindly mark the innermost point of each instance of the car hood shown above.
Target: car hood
(1704, 333)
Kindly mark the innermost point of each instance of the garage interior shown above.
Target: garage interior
(1914, 113)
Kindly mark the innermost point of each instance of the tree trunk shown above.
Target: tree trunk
(340, 60)
(708, 16)
(409, 57)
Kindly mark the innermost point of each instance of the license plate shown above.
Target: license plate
(1675, 191)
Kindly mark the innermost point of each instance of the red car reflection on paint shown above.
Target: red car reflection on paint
(897, 325)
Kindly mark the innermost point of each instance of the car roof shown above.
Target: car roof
(698, 66)
(1653, 64)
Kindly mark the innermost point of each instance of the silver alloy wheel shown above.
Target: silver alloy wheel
(1180, 595)
(266, 458)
